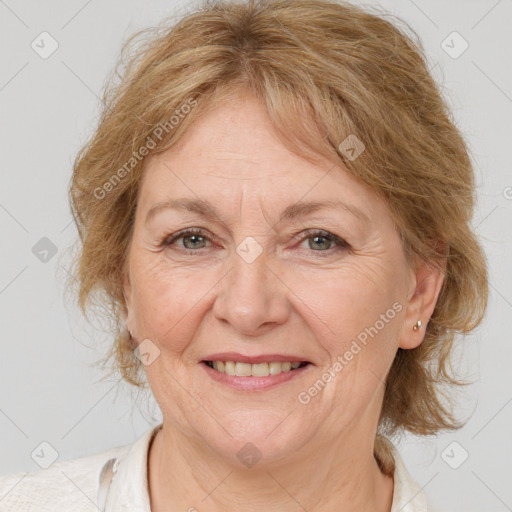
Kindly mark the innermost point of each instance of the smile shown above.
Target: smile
(240, 369)
(254, 376)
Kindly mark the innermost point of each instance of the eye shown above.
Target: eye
(323, 241)
(193, 239)
(319, 241)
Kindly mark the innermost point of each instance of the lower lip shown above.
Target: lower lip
(253, 383)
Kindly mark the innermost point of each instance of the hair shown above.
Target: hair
(324, 70)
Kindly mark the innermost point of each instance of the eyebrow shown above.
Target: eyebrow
(294, 211)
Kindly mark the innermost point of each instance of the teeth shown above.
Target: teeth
(229, 367)
(243, 369)
(275, 368)
(258, 370)
(254, 370)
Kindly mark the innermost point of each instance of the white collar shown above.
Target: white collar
(128, 489)
(408, 496)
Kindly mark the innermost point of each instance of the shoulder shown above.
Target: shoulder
(66, 485)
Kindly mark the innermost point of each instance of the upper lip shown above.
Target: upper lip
(262, 358)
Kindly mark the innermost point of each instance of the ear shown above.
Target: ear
(426, 287)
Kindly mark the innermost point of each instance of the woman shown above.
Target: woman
(276, 205)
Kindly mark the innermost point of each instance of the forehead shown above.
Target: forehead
(234, 140)
(231, 155)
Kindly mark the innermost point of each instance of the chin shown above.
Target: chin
(257, 437)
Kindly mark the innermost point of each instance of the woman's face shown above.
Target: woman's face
(265, 278)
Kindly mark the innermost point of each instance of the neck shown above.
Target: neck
(184, 475)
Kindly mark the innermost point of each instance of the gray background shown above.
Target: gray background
(48, 107)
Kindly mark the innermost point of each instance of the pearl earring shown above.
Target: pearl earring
(416, 326)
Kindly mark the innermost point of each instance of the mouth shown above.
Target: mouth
(255, 375)
(263, 369)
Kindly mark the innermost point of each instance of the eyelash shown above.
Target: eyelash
(309, 233)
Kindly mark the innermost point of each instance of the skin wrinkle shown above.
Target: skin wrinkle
(321, 453)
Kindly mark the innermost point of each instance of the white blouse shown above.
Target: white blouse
(116, 480)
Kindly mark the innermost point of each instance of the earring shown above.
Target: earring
(416, 326)
(130, 331)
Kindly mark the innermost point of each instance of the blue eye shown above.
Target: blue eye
(322, 241)
(194, 236)
(319, 241)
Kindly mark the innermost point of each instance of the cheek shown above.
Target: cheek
(354, 320)
(354, 316)
(347, 300)
(168, 299)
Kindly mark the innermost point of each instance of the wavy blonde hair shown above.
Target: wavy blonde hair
(324, 70)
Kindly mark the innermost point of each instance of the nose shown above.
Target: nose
(252, 298)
